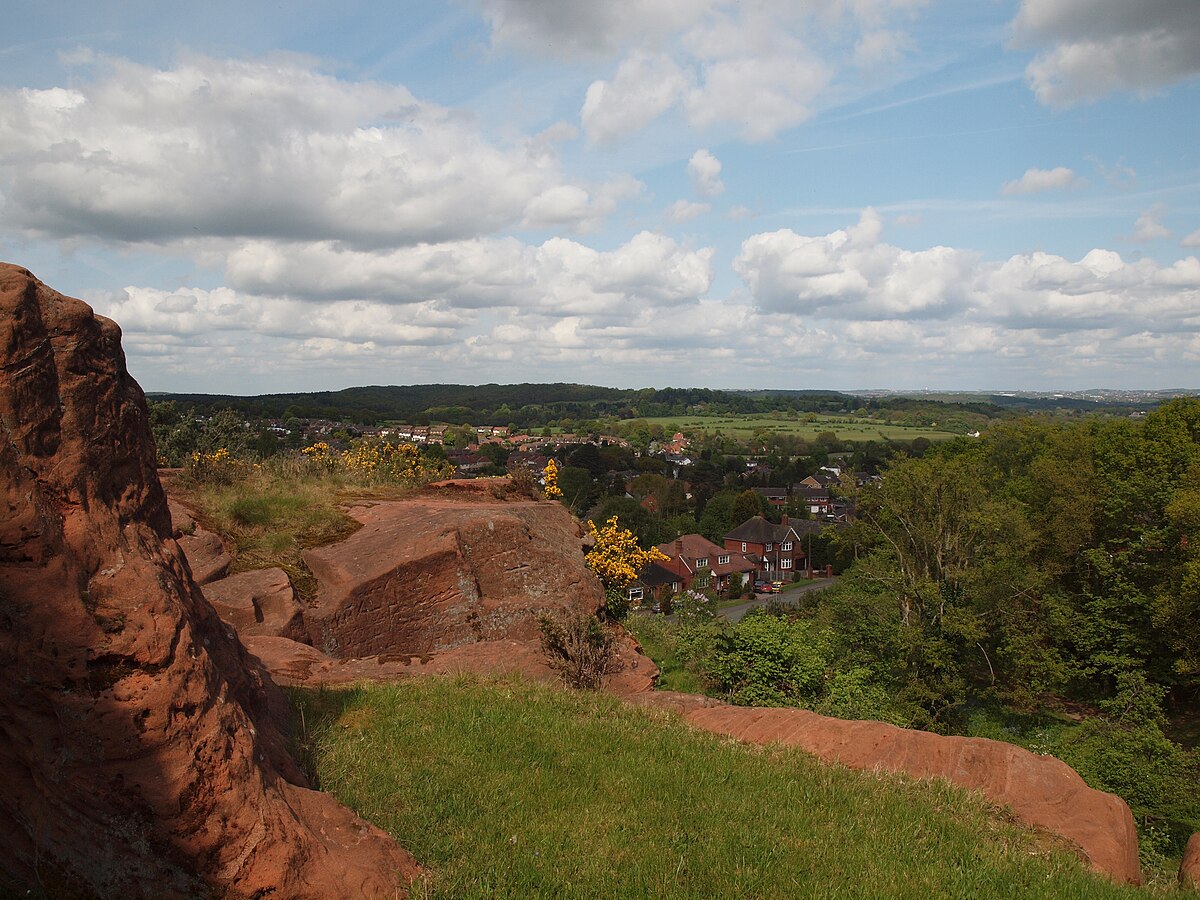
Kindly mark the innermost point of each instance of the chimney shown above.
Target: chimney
(784, 520)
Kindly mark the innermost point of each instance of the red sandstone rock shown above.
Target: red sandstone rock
(206, 555)
(298, 665)
(440, 570)
(139, 750)
(258, 602)
(1189, 868)
(1041, 790)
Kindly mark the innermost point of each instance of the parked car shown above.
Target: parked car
(765, 587)
(776, 587)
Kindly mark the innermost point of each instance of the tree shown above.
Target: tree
(550, 481)
(617, 559)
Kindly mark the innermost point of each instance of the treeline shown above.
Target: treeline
(528, 406)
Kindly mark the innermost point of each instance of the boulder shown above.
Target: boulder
(447, 568)
(1189, 868)
(206, 555)
(1041, 790)
(261, 601)
(142, 750)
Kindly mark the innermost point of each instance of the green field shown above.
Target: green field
(845, 427)
(510, 789)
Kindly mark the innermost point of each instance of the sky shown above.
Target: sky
(789, 194)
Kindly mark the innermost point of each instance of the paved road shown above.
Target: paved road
(735, 613)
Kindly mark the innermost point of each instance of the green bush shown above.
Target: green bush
(772, 661)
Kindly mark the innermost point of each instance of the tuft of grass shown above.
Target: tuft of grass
(510, 789)
(272, 515)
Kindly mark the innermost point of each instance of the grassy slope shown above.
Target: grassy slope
(506, 789)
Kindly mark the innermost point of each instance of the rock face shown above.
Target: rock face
(140, 754)
(261, 602)
(1042, 791)
(1189, 868)
(438, 571)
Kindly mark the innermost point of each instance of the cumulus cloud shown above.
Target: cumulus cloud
(644, 87)
(853, 275)
(760, 68)
(705, 171)
(270, 148)
(559, 277)
(1035, 181)
(1095, 47)
(1192, 240)
(1149, 226)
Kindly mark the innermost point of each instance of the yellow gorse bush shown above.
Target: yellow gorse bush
(550, 481)
(220, 466)
(377, 460)
(616, 557)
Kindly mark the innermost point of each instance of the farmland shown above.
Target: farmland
(806, 426)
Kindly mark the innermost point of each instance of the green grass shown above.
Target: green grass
(846, 428)
(508, 789)
(271, 517)
(656, 638)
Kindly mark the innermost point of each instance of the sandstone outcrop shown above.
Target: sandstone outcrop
(1041, 790)
(440, 570)
(299, 665)
(259, 602)
(1189, 868)
(140, 754)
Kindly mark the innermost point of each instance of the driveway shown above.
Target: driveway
(735, 613)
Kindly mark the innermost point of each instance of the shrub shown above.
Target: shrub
(218, 467)
(580, 649)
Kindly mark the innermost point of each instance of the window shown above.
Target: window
(722, 560)
(675, 586)
(702, 562)
(701, 581)
(785, 546)
(785, 563)
(770, 547)
(635, 595)
(743, 546)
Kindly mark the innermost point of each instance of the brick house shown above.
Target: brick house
(694, 562)
(774, 550)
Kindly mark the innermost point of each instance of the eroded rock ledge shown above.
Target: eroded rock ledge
(140, 750)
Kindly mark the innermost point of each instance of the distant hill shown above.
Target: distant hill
(536, 405)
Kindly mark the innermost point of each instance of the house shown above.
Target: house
(699, 564)
(775, 496)
(652, 583)
(773, 549)
(816, 500)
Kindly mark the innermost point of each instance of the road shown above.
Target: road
(735, 613)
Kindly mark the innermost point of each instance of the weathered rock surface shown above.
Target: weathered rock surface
(139, 750)
(260, 602)
(441, 570)
(1189, 868)
(206, 555)
(295, 664)
(1043, 791)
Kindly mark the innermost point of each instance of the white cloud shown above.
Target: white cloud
(269, 148)
(705, 171)
(1192, 240)
(1096, 47)
(559, 277)
(644, 87)
(1036, 181)
(1149, 227)
(758, 67)
(850, 274)
(685, 210)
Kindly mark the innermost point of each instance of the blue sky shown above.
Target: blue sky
(806, 194)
